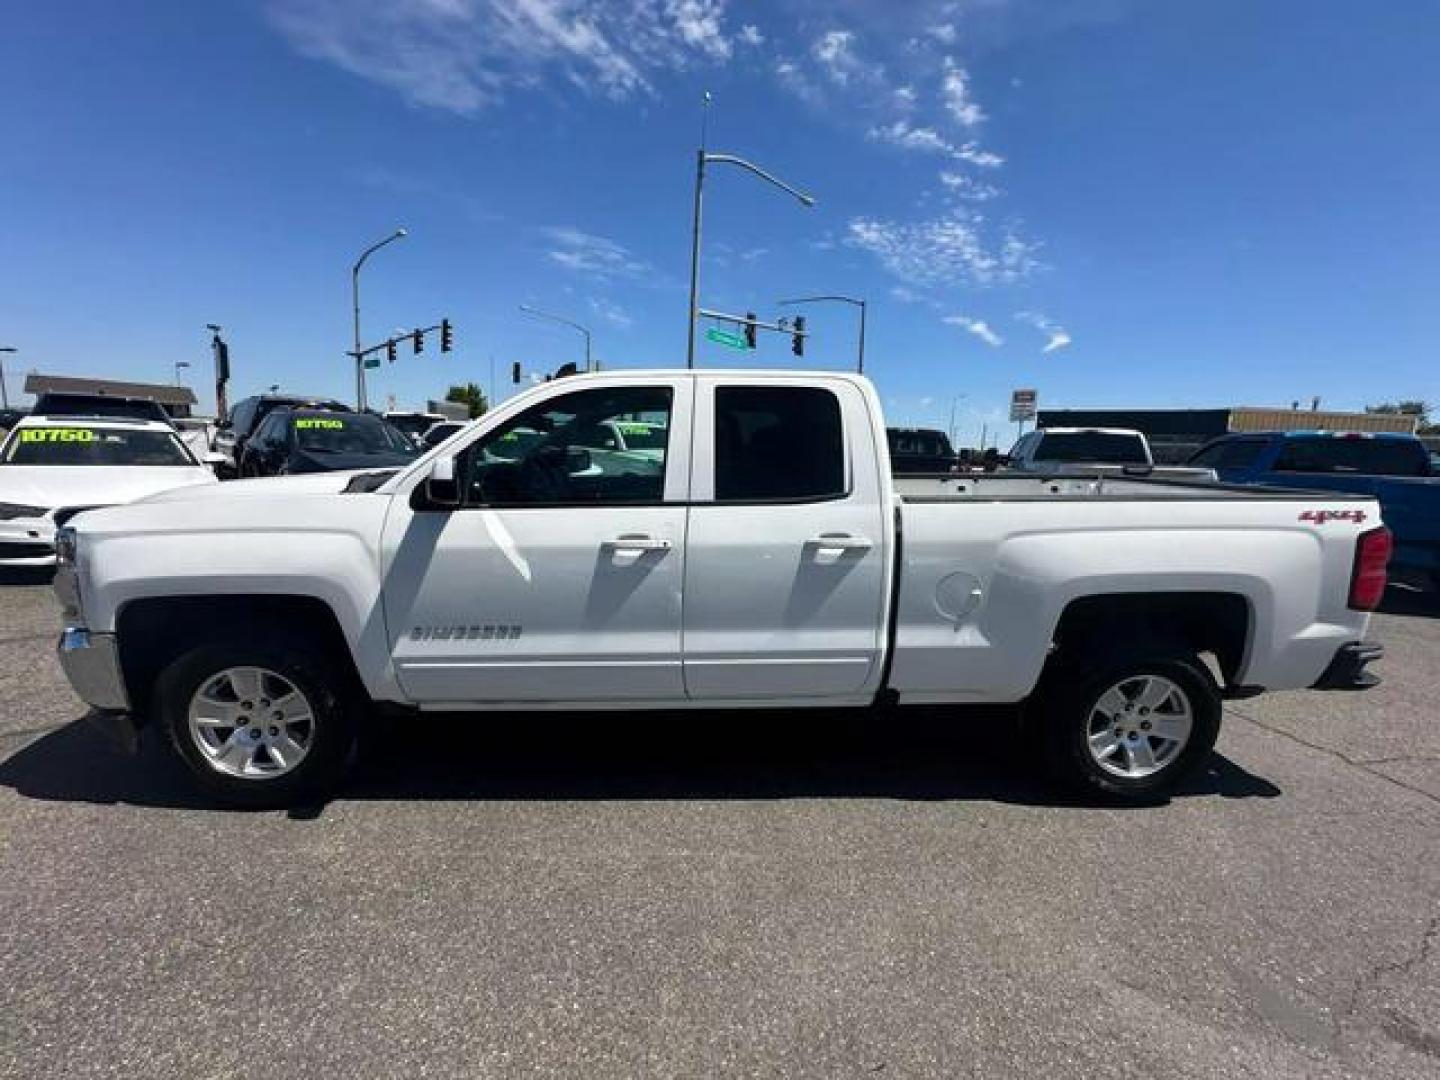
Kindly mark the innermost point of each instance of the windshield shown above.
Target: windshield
(1095, 446)
(353, 434)
(919, 443)
(86, 445)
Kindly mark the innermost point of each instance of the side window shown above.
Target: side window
(271, 433)
(240, 420)
(1230, 454)
(778, 443)
(562, 452)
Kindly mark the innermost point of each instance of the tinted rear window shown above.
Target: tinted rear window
(1362, 456)
(781, 443)
(1093, 446)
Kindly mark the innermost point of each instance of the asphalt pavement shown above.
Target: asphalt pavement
(730, 895)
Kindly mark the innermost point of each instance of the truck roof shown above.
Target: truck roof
(1090, 431)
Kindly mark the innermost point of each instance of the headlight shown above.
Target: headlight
(20, 510)
(65, 546)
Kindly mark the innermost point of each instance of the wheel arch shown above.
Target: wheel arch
(152, 631)
(1220, 623)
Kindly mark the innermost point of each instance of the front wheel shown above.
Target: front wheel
(258, 724)
(1132, 729)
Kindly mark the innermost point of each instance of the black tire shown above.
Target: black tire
(1066, 712)
(333, 705)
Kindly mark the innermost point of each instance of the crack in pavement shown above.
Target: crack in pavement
(1367, 980)
(1357, 763)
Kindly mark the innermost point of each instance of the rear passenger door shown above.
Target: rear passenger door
(787, 545)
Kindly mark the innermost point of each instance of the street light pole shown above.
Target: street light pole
(702, 158)
(178, 365)
(567, 322)
(355, 301)
(852, 300)
(4, 394)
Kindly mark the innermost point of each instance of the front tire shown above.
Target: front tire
(259, 724)
(1131, 728)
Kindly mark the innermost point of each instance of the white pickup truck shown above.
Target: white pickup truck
(1058, 451)
(766, 558)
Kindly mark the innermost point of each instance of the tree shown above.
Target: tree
(470, 396)
(1418, 409)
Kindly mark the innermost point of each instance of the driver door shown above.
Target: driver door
(557, 579)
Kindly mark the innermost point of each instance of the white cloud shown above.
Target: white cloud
(1057, 337)
(955, 91)
(834, 54)
(966, 187)
(598, 256)
(465, 55)
(979, 327)
(945, 33)
(611, 312)
(950, 250)
(985, 159)
(750, 35)
(908, 137)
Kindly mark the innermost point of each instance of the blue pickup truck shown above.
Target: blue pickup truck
(1396, 469)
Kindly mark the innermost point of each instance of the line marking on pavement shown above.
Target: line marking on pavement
(1361, 765)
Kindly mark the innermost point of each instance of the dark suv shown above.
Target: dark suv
(245, 416)
(323, 440)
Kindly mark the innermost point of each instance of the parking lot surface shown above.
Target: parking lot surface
(728, 895)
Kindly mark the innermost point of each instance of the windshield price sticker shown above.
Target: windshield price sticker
(315, 422)
(57, 434)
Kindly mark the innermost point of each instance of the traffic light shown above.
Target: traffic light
(447, 335)
(390, 350)
(418, 337)
(749, 329)
(515, 373)
(797, 343)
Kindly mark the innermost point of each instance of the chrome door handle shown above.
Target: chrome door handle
(638, 542)
(840, 542)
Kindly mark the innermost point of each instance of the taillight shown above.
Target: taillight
(1367, 579)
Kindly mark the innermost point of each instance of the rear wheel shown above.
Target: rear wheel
(258, 724)
(1131, 728)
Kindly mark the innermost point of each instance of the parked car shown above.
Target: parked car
(91, 405)
(413, 425)
(312, 440)
(760, 564)
(1092, 451)
(245, 416)
(1394, 469)
(435, 434)
(51, 468)
(920, 450)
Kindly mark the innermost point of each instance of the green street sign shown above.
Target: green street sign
(372, 361)
(725, 337)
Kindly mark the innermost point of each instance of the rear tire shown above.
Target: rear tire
(1130, 727)
(260, 724)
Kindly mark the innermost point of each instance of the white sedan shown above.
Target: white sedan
(51, 468)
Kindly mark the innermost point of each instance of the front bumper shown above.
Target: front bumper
(1347, 669)
(92, 664)
(27, 542)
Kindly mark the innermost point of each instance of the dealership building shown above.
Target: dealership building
(1175, 434)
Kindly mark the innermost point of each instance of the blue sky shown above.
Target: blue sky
(1117, 202)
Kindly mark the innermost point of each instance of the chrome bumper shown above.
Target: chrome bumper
(92, 664)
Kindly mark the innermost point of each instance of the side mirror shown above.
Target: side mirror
(442, 491)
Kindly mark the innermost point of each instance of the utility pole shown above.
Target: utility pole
(853, 300)
(702, 159)
(220, 353)
(564, 322)
(4, 394)
(398, 234)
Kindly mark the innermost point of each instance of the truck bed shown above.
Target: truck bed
(1027, 487)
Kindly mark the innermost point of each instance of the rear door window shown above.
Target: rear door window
(1353, 455)
(1230, 454)
(778, 444)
